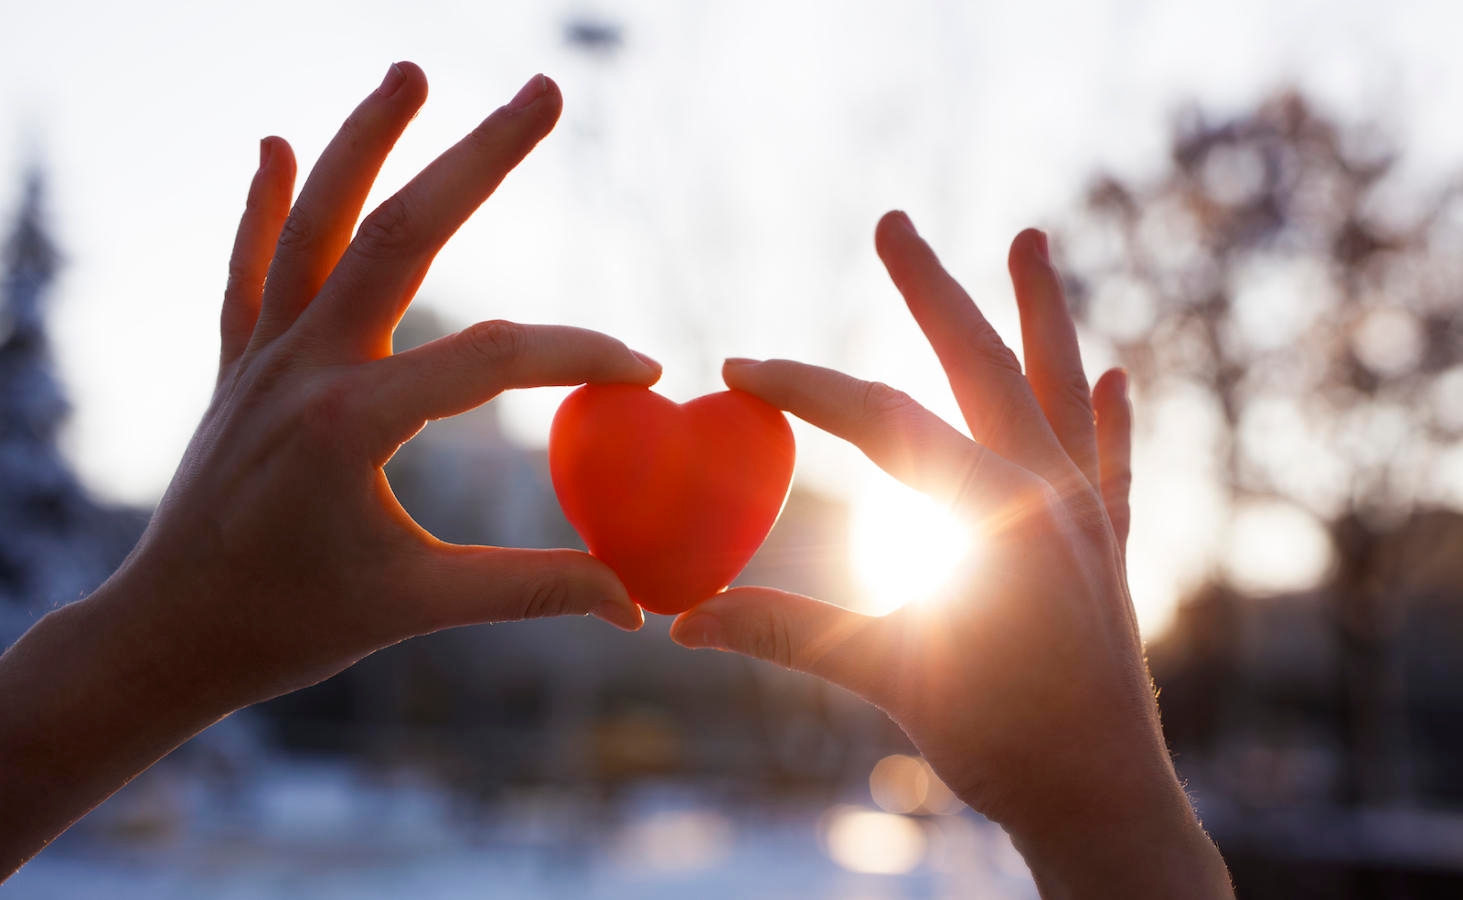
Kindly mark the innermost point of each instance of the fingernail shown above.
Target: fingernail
(902, 218)
(626, 615)
(1042, 249)
(1121, 380)
(393, 80)
(698, 633)
(647, 360)
(266, 148)
(528, 94)
(741, 361)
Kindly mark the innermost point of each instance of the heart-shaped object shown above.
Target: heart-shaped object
(674, 497)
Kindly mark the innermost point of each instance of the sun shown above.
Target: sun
(904, 546)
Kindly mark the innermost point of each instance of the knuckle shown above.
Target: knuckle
(240, 273)
(1073, 391)
(771, 641)
(881, 401)
(1037, 510)
(1089, 514)
(490, 137)
(271, 372)
(326, 416)
(968, 492)
(351, 132)
(387, 231)
(243, 277)
(1072, 506)
(1117, 482)
(988, 348)
(297, 232)
(545, 600)
(236, 288)
(497, 341)
(1115, 499)
(1048, 502)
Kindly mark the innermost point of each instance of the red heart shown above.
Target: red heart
(674, 497)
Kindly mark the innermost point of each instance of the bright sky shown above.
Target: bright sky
(711, 190)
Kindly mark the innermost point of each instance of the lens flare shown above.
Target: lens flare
(899, 784)
(905, 546)
(878, 843)
(907, 784)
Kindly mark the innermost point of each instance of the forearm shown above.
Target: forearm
(90, 696)
(1128, 847)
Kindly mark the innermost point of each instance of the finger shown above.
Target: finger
(463, 370)
(1115, 449)
(264, 215)
(1053, 361)
(381, 270)
(795, 632)
(320, 225)
(993, 394)
(463, 585)
(896, 433)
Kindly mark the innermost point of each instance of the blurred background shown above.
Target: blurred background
(1257, 209)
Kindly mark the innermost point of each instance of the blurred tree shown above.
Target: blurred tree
(55, 543)
(1287, 277)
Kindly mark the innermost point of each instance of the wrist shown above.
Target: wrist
(189, 640)
(120, 671)
(141, 631)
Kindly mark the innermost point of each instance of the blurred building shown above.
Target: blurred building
(1253, 692)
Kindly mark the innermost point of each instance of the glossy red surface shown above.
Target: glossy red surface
(674, 497)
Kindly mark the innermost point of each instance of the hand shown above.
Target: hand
(298, 558)
(1026, 690)
(278, 555)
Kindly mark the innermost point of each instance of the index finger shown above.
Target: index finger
(899, 435)
(993, 394)
(456, 373)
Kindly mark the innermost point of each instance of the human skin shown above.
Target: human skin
(278, 555)
(1025, 687)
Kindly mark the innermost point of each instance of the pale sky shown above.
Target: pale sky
(711, 190)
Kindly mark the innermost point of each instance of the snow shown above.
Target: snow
(328, 828)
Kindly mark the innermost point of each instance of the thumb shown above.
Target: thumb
(465, 585)
(793, 631)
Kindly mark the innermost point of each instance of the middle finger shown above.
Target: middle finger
(1053, 360)
(380, 271)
